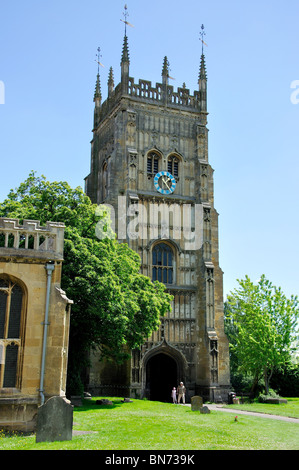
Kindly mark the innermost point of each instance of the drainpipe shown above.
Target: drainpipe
(50, 268)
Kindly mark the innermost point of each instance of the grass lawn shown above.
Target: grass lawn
(291, 409)
(146, 425)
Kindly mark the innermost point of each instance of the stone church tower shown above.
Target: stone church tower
(149, 162)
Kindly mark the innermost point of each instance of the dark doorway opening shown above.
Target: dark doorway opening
(161, 377)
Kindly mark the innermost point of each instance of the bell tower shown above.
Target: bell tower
(149, 161)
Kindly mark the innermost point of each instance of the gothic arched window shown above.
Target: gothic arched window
(162, 263)
(152, 163)
(11, 320)
(173, 165)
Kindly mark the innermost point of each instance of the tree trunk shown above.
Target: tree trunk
(253, 387)
(267, 379)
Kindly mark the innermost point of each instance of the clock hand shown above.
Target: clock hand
(165, 182)
(168, 181)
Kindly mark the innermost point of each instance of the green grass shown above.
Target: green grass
(146, 425)
(290, 410)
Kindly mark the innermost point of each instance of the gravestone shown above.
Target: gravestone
(204, 410)
(55, 420)
(276, 401)
(104, 401)
(76, 400)
(196, 403)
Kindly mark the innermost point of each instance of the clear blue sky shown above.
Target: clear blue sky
(47, 65)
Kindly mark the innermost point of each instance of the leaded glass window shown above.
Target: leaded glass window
(11, 311)
(162, 263)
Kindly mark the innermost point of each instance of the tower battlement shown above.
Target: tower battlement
(162, 94)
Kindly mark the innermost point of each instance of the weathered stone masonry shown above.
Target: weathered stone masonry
(140, 130)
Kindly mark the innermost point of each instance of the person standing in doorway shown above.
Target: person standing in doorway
(173, 394)
(181, 392)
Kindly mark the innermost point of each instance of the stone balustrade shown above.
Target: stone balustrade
(144, 90)
(29, 237)
(161, 94)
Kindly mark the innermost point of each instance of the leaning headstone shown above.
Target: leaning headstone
(204, 410)
(55, 420)
(196, 403)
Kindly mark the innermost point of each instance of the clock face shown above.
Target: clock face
(164, 182)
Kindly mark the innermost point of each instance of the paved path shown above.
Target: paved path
(251, 413)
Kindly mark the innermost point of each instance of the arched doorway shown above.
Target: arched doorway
(161, 377)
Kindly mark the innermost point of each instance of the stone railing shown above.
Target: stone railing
(164, 94)
(30, 238)
(144, 91)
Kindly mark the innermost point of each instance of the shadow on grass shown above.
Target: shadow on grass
(91, 404)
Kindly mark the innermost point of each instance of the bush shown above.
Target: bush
(262, 398)
(243, 384)
(286, 381)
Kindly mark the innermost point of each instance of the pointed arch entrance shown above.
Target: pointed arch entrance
(161, 377)
(163, 367)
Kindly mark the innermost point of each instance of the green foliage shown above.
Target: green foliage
(261, 325)
(286, 380)
(271, 394)
(120, 306)
(115, 307)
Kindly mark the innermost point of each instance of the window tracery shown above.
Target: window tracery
(153, 163)
(173, 165)
(162, 263)
(11, 319)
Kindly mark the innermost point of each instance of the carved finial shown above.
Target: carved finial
(202, 69)
(125, 53)
(110, 81)
(111, 77)
(166, 70)
(97, 93)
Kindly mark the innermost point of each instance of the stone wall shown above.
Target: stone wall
(31, 259)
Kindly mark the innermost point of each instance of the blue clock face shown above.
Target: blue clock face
(164, 182)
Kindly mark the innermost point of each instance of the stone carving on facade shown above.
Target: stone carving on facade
(214, 360)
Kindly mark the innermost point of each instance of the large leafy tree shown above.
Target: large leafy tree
(261, 323)
(115, 307)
